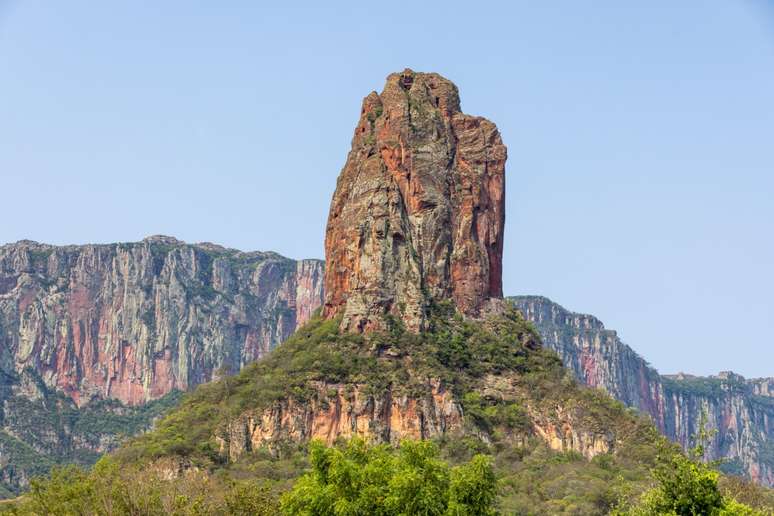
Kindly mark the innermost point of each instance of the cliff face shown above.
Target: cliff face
(339, 410)
(418, 211)
(744, 420)
(742, 411)
(350, 410)
(94, 331)
(596, 355)
(135, 321)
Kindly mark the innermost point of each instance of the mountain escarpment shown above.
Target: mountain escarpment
(740, 411)
(96, 332)
(135, 321)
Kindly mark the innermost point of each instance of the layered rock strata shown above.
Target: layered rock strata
(349, 410)
(135, 321)
(419, 208)
(89, 335)
(741, 411)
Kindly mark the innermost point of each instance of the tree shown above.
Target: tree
(69, 490)
(688, 486)
(357, 479)
(250, 498)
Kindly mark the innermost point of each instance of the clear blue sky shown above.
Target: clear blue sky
(640, 134)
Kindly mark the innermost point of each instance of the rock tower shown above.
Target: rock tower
(419, 208)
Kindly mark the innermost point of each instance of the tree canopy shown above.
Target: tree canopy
(358, 479)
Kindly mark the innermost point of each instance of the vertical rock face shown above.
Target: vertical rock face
(89, 335)
(346, 411)
(596, 355)
(742, 411)
(418, 211)
(134, 321)
(309, 291)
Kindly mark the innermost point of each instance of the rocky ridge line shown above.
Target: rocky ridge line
(741, 410)
(90, 335)
(134, 321)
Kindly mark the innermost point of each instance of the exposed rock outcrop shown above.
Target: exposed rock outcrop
(346, 411)
(131, 322)
(134, 321)
(419, 208)
(742, 411)
(429, 410)
(561, 428)
(596, 355)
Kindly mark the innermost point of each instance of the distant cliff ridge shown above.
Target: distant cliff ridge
(741, 410)
(81, 326)
(133, 321)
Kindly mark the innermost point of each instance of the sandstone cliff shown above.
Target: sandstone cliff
(742, 411)
(343, 410)
(129, 322)
(419, 208)
(134, 321)
(336, 411)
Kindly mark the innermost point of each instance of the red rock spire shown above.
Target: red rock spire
(419, 208)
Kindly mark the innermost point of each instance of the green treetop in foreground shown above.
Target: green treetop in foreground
(362, 480)
(688, 487)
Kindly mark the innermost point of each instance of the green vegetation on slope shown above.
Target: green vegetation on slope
(509, 388)
(42, 432)
(710, 387)
(688, 486)
(464, 355)
(23, 461)
(113, 418)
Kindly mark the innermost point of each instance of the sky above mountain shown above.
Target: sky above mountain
(640, 176)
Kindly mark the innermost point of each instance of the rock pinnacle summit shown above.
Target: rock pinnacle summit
(419, 208)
